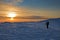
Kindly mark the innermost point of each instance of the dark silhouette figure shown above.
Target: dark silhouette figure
(47, 25)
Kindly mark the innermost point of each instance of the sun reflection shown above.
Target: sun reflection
(12, 18)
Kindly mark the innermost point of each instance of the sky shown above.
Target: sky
(42, 8)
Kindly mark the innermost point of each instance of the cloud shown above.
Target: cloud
(21, 12)
(16, 1)
(19, 0)
(11, 2)
(31, 17)
(25, 11)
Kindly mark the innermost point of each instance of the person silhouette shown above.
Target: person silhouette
(47, 25)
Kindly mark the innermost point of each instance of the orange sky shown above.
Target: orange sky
(34, 14)
(19, 20)
(25, 11)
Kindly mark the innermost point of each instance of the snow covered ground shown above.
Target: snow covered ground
(30, 30)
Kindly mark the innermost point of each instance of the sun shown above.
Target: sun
(11, 15)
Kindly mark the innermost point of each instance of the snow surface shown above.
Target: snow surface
(30, 30)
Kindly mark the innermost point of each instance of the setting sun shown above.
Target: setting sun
(11, 14)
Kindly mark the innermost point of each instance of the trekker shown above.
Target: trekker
(47, 25)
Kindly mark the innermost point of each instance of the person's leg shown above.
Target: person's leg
(47, 24)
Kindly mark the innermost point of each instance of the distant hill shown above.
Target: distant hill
(53, 23)
(52, 19)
